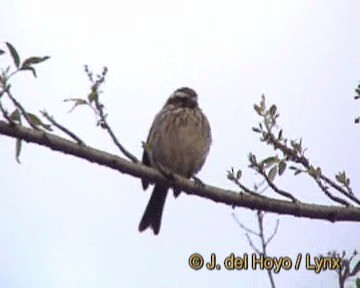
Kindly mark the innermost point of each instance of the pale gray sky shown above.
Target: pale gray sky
(68, 223)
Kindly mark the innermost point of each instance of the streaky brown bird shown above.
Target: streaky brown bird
(179, 141)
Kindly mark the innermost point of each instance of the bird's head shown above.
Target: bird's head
(183, 97)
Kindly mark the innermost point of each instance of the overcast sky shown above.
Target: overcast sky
(65, 222)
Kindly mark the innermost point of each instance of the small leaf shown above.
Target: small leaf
(252, 159)
(340, 177)
(37, 121)
(230, 176)
(14, 54)
(272, 173)
(357, 90)
(18, 149)
(272, 110)
(2, 52)
(34, 119)
(313, 172)
(78, 101)
(257, 130)
(282, 167)
(357, 283)
(280, 134)
(296, 169)
(238, 174)
(29, 68)
(34, 60)
(262, 102)
(296, 146)
(15, 115)
(257, 109)
(92, 96)
(297, 172)
(270, 160)
(74, 100)
(147, 147)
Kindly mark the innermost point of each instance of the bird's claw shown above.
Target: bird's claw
(197, 181)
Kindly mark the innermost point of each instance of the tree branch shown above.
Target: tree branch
(138, 170)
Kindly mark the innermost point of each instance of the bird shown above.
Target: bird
(179, 141)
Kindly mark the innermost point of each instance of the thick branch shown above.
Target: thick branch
(228, 197)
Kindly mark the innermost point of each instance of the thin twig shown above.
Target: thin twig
(274, 187)
(305, 163)
(252, 244)
(242, 226)
(260, 216)
(105, 125)
(22, 110)
(245, 189)
(274, 232)
(340, 189)
(62, 128)
(288, 152)
(260, 234)
(6, 115)
(327, 193)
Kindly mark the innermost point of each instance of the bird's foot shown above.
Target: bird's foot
(165, 172)
(198, 181)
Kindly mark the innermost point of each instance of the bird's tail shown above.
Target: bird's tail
(154, 209)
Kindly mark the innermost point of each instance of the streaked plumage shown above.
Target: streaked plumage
(179, 140)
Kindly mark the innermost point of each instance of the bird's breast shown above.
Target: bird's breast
(183, 142)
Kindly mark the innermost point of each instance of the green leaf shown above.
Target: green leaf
(297, 172)
(34, 60)
(357, 282)
(257, 109)
(46, 127)
(272, 110)
(252, 158)
(15, 115)
(92, 96)
(14, 54)
(270, 160)
(238, 174)
(29, 68)
(296, 146)
(341, 177)
(262, 102)
(230, 175)
(272, 173)
(282, 167)
(34, 119)
(37, 122)
(77, 102)
(314, 172)
(18, 149)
